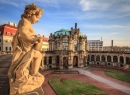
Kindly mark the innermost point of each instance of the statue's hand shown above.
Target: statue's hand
(38, 37)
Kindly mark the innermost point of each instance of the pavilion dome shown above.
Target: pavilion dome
(62, 31)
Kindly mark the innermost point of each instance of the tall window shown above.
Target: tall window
(65, 45)
(0, 48)
(57, 44)
(0, 40)
(6, 48)
(10, 48)
(75, 45)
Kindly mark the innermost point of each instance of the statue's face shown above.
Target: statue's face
(35, 18)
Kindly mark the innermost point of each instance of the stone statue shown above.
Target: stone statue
(23, 73)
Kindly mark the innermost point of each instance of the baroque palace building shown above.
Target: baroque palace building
(67, 49)
(7, 31)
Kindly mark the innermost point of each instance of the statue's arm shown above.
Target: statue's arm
(25, 33)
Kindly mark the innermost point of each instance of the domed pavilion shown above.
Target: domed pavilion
(67, 49)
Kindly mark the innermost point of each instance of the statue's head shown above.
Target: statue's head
(31, 10)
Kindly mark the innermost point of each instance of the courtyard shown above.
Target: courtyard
(109, 85)
(117, 88)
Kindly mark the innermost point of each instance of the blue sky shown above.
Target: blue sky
(109, 19)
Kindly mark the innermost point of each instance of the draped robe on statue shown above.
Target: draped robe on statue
(20, 77)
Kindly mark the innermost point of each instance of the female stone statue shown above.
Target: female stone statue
(23, 73)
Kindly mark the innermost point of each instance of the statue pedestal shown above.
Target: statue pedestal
(37, 91)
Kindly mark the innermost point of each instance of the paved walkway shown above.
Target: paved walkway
(5, 61)
(105, 81)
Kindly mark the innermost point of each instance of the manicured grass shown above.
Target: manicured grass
(118, 75)
(73, 87)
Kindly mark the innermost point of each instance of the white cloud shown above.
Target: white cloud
(105, 8)
(95, 5)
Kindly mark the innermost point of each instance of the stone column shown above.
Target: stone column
(80, 64)
(124, 59)
(118, 64)
(112, 59)
(94, 58)
(90, 57)
(53, 62)
(100, 58)
(47, 60)
(106, 58)
(71, 44)
(61, 62)
(81, 47)
(70, 60)
(118, 59)
(52, 46)
(61, 45)
(86, 46)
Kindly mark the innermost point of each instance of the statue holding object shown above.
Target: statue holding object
(23, 73)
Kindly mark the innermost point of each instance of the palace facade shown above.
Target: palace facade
(7, 31)
(67, 49)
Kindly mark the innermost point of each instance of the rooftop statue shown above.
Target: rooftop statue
(23, 73)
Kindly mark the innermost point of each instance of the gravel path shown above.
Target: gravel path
(105, 81)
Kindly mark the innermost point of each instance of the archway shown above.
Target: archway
(88, 58)
(92, 58)
(57, 61)
(75, 61)
(115, 60)
(108, 58)
(97, 58)
(65, 62)
(50, 61)
(127, 60)
(103, 58)
(121, 59)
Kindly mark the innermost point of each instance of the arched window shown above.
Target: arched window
(97, 58)
(65, 44)
(121, 59)
(57, 44)
(108, 58)
(115, 59)
(92, 58)
(127, 60)
(103, 58)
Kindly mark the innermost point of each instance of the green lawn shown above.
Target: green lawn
(73, 87)
(117, 75)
